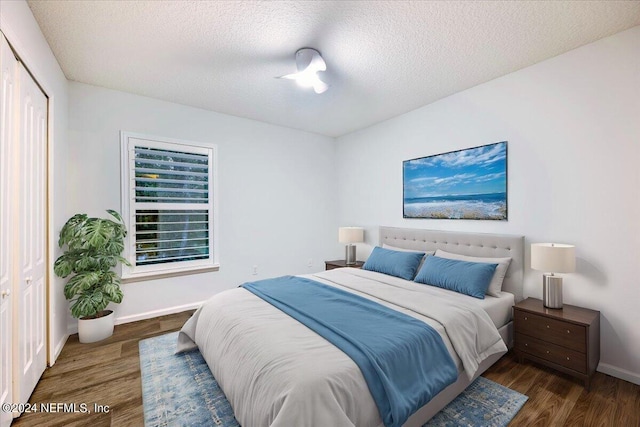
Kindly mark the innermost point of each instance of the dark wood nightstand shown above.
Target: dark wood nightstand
(339, 263)
(566, 339)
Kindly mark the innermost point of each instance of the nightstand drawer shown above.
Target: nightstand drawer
(551, 352)
(565, 334)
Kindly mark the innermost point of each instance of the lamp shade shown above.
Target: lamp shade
(553, 257)
(350, 234)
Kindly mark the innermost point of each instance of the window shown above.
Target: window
(169, 204)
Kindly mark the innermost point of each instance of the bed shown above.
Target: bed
(276, 371)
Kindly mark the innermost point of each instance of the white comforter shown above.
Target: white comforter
(277, 372)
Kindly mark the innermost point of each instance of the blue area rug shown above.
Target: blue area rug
(179, 390)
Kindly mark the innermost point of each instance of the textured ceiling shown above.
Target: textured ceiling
(384, 58)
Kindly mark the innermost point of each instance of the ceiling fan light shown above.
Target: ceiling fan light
(307, 78)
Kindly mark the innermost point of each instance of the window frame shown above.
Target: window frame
(129, 205)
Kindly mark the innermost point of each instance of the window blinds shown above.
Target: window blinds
(171, 206)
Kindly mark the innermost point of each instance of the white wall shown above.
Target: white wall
(573, 126)
(276, 190)
(22, 31)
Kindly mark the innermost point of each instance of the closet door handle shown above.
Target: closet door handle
(6, 293)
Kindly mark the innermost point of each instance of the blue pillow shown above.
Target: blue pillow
(469, 278)
(394, 263)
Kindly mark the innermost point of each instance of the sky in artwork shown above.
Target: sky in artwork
(480, 170)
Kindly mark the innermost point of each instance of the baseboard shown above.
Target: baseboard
(58, 349)
(157, 313)
(623, 374)
(73, 328)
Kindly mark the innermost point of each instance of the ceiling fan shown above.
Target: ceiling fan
(308, 62)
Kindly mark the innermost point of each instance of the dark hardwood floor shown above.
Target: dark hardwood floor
(108, 374)
(556, 399)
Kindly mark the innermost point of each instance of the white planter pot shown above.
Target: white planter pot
(92, 330)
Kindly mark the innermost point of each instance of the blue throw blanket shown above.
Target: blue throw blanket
(403, 360)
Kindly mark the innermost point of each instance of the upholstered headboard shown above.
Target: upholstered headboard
(472, 244)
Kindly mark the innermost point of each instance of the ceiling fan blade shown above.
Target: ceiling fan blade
(317, 63)
(319, 86)
(293, 76)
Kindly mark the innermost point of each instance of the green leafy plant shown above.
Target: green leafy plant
(94, 246)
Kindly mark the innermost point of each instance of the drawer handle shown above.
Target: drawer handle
(568, 358)
(547, 351)
(526, 318)
(526, 345)
(547, 326)
(568, 331)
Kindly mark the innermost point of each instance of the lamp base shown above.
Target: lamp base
(551, 291)
(350, 254)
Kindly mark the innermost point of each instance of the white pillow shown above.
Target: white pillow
(498, 276)
(395, 248)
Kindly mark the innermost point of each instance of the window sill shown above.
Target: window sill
(167, 274)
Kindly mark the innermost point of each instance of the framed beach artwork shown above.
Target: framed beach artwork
(463, 184)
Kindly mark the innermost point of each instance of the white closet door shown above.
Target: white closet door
(31, 343)
(8, 67)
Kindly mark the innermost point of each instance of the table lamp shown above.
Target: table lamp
(552, 258)
(350, 235)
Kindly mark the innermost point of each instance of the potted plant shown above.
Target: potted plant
(93, 250)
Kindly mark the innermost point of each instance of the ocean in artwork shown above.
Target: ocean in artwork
(467, 206)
